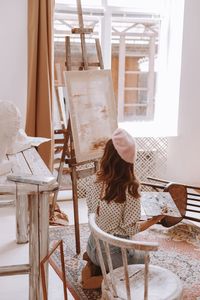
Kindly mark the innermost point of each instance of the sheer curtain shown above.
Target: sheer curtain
(40, 74)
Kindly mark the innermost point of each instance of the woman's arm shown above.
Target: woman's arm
(143, 225)
(92, 194)
(131, 216)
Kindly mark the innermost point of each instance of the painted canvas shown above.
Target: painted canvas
(92, 111)
(159, 203)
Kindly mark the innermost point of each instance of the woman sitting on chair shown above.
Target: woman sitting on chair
(113, 195)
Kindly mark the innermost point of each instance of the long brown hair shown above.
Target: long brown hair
(117, 175)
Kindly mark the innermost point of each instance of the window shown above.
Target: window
(134, 51)
(135, 40)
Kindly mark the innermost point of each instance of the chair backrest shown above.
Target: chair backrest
(186, 197)
(124, 244)
(179, 195)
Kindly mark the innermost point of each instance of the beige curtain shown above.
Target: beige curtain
(40, 58)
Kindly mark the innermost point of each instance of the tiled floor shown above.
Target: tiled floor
(16, 287)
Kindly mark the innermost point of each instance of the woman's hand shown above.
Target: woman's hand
(146, 224)
(157, 219)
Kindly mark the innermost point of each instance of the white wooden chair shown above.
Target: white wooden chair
(138, 281)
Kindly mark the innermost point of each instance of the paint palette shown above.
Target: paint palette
(159, 203)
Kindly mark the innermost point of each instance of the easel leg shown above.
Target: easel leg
(75, 205)
(44, 231)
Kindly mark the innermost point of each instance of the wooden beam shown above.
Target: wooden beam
(82, 30)
(121, 78)
(68, 63)
(82, 35)
(151, 78)
(15, 270)
(106, 38)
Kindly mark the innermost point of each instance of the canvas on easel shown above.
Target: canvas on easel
(92, 110)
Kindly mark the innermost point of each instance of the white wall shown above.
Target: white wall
(13, 52)
(184, 150)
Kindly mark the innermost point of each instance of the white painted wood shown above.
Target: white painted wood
(121, 78)
(15, 270)
(7, 200)
(35, 162)
(61, 106)
(163, 284)
(22, 219)
(136, 281)
(29, 162)
(25, 162)
(133, 72)
(135, 105)
(116, 241)
(99, 53)
(106, 38)
(34, 249)
(133, 35)
(126, 274)
(103, 268)
(39, 241)
(135, 89)
(151, 77)
(5, 167)
(58, 71)
(146, 274)
(19, 165)
(110, 268)
(21, 142)
(44, 230)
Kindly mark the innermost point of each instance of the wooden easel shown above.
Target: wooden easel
(68, 154)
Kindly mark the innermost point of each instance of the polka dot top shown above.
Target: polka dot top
(114, 218)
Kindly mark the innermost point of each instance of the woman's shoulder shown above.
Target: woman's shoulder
(92, 183)
(93, 180)
(130, 197)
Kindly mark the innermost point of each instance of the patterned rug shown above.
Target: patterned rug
(179, 251)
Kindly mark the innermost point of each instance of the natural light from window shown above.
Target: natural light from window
(141, 40)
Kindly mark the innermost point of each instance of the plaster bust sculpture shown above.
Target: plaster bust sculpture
(20, 143)
(10, 120)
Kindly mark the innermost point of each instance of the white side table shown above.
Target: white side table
(35, 199)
